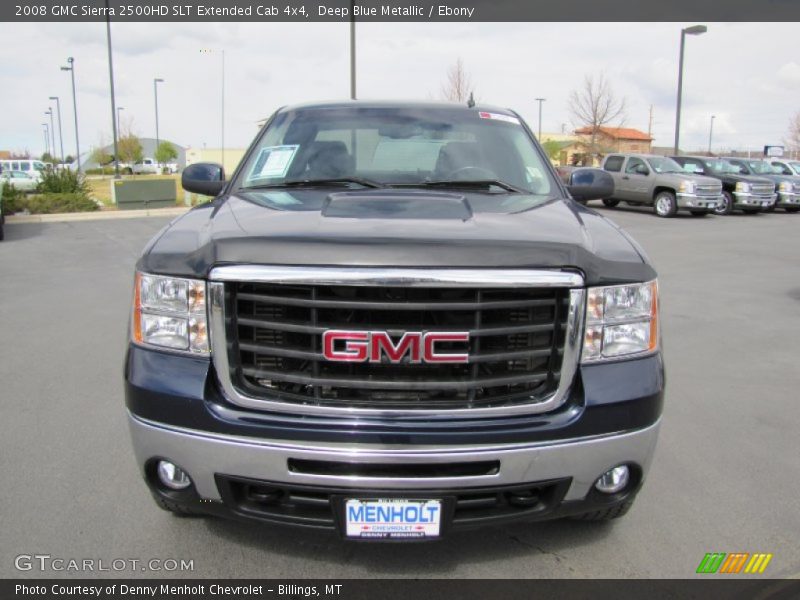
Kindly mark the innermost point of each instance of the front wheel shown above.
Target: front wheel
(788, 209)
(610, 202)
(665, 204)
(726, 206)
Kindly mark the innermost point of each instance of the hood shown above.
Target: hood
(396, 228)
(737, 177)
(698, 179)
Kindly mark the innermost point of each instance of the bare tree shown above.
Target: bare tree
(594, 105)
(793, 139)
(458, 86)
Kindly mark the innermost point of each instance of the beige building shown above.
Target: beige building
(617, 139)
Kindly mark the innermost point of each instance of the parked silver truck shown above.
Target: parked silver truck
(660, 182)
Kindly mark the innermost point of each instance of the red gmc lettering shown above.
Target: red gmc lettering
(375, 346)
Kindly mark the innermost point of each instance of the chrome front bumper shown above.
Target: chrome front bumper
(696, 202)
(202, 455)
(742, 199)
(788, 199)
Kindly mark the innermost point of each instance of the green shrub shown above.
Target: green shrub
(100, 171)
(12, 199)
(63, 181)
(59, 203)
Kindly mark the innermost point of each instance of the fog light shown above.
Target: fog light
(613, 481)
(173, 476)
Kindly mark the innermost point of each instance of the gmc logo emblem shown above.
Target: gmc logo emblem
(378, 346)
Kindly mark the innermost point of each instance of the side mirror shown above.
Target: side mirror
(642, 170)
(590, 184)
(207, 179)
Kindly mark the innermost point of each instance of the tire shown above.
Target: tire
(699, 213)
(2, 235)
(665, 205)
(610, 202)
(606, 514)
(788, 209)
(726, 207)
(179, 510)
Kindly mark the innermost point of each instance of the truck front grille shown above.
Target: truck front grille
(708, 190)
(274, 343)
(760, 189)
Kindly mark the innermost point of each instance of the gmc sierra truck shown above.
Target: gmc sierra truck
(739, 192)
(787, 187)
(660, 182)
(393, 321)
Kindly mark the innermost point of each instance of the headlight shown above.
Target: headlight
(170, 312)
(686, 187)
(785, 186)
(742, 186)
(621, 320)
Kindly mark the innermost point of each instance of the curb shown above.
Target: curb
(98, 215)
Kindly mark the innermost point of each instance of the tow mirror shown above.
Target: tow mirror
(207, 179)
(590, 184)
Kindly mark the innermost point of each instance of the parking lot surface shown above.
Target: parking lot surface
(726, 476)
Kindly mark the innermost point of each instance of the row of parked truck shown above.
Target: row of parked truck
(702, 184)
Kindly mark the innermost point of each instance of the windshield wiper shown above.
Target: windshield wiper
(368, 183)
(468, 183)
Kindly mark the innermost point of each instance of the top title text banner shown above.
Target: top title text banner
(399, 10)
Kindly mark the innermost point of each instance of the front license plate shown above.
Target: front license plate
(394, 518)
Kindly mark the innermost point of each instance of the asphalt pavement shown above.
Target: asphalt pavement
(726, 476)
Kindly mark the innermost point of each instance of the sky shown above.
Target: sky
(745, 74)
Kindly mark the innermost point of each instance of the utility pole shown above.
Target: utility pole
(710, 133)
(71, 69)
(352, 50)
(49, 111)
(113, 101)
(650, 123)
(60, 135)
(540, 100)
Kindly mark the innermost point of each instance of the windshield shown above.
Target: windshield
(721, 166)
(665, 165)
(761, 167)
(406, 146)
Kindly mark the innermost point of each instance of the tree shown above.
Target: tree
(165, 153)
(793, 141)
(130, 148)
(594, 105)
(553, 149)
(458, 86)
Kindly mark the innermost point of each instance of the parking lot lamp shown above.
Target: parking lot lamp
(693, 30)
(119, 120)
(710, 133)
(49, 111)
(114, 113)
(71, 69)
(60, 136)
(46, 138)
(540, 100)
(156, 81)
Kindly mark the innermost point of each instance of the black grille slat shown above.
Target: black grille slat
(274, 340)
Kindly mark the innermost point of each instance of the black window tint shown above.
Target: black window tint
(634, 164)
(613, 163)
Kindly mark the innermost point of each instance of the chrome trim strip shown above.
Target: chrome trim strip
(219, 354)
(398, 276)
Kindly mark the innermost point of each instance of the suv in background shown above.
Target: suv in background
(146, 166)
(743, 192)
(787, 186)
(660, 182)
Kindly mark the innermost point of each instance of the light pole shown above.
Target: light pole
(71, 69)
(694, 30)
(46, 138)
(119, 121)
(540, 100)
(60, 136)
(111, 83)
(710, 133)
(352, 51)
(156, 81)
(49, 111)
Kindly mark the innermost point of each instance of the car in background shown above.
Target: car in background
(783, 166)
(787, 186)
(739, 192)
(22, 181)
(660, 182)
(29, 166)
(146, 166)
